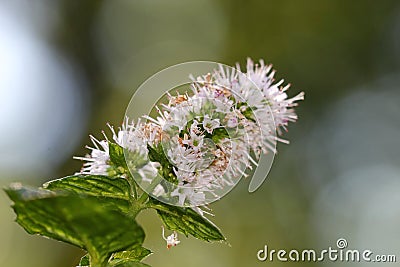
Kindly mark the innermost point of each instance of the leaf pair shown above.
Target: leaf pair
(89, 212)
(97, 213)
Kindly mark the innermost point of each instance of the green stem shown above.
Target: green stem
(96, 260)
(98, 263)
(136, 205)
(139, 203)
(132, 184)
(143, 198)
(134, 190)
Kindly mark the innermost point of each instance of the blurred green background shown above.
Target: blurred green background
(68, 67)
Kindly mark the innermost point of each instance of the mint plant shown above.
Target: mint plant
(192, 153)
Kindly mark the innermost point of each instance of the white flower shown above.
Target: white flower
(172, 240)
(189, 195)
(97, 162)
(129, 136)
(210, 137)
(277, 99)
(232, 120)
(158, 190)
(132, 137)
(149, 171)
(209, 125)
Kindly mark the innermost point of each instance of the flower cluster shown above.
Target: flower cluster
(130, 136)
(204, 140)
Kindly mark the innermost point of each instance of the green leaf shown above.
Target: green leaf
(113, 190)
(118, 166)
(136, 253)
(156, 154)
(153, 154)
(95, 185)
(248, 112)
(187, 221)
(85, 261)
(219, 134)
(117, 156)
(87, 222)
